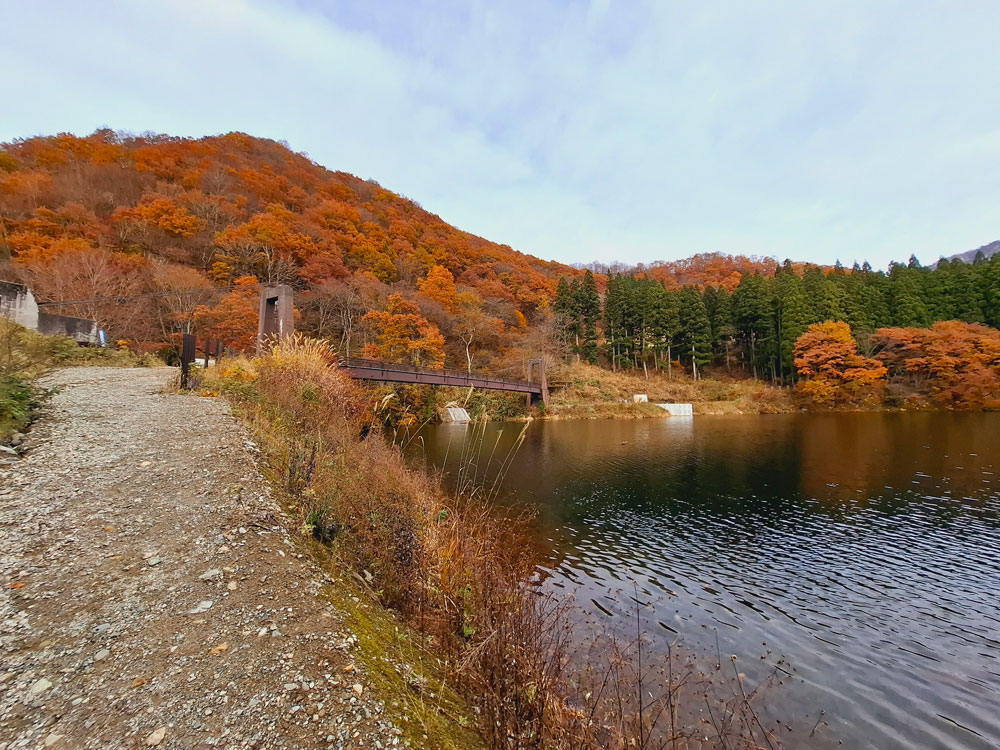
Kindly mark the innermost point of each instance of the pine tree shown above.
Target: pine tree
(753, 316)
(696, 330)
(588, 303)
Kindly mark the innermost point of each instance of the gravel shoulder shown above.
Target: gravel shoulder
(150, 591)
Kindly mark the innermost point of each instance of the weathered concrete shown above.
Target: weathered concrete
(275, 320)
(17, 303)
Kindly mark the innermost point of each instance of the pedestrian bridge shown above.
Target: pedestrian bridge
(392, 372)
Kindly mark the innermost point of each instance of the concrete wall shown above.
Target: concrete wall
(17, 303)
(678, 410)
(81, 329)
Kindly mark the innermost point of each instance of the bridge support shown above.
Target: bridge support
(532, 397)
(275, 320)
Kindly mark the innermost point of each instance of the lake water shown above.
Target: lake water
(862, 548)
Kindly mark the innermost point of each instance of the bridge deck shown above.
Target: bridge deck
(371, 369)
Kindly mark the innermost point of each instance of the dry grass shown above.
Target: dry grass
(455, 571)
(585, 390)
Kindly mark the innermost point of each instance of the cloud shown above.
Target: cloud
(627, 131)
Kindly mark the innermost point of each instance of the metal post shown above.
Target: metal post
(187, 357)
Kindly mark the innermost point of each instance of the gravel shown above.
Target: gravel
(151, 593)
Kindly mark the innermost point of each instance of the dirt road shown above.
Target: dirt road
(150, 593)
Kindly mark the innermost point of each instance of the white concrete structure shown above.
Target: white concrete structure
(455, 414)
(678, 410)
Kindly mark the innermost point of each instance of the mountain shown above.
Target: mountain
(119, 214)
(970, 255)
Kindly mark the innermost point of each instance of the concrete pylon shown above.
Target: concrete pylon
(543, 381)
(275, 320)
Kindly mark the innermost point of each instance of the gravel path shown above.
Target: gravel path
(150, 594)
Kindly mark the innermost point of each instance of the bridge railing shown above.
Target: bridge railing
(377, 364)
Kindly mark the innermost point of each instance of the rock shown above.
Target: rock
(8, 449)
(231, 586)
(156, 737)
(144, 464)
(202, 607)
(358, 688)
(16, 439)
(40, 686)
(102, 655)
(211, 575)
(153, 562)
(52, 739)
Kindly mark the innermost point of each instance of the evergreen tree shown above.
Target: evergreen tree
(752, 313)
(588, 304)
(696, 330)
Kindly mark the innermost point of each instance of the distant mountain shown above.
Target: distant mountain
(970, 255)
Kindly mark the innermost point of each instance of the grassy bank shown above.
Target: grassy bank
(441, 591)
(583, 390)
(27, 355)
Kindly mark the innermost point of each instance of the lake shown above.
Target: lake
(864, 549)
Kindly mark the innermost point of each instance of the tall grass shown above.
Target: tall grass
(457, 571)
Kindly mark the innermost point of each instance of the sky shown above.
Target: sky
(575, 131)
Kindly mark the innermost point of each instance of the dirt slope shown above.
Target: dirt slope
(148, 583)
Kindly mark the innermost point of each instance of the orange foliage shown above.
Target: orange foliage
(234, 319)
(163, 213)
(231, 206)
(826, 356)
(402, 334)
(952, 364)
(439, 285)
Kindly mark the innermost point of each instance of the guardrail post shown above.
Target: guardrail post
(187, 357)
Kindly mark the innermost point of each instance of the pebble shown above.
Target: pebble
(40, 686)
(180, 531)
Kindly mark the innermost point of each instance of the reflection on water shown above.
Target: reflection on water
(864, 548)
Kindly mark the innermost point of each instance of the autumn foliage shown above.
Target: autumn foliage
(117, 216)
(950, 365)
(402, 334)
(833, 372)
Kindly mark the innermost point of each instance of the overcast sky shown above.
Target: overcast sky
(630, 131)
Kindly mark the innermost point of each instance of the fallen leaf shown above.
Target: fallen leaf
(221, 648)
(349, 668)
(138, 682)
(18, 585)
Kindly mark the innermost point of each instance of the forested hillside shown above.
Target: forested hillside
(154, 235)
(756, 325)
(177, 220)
